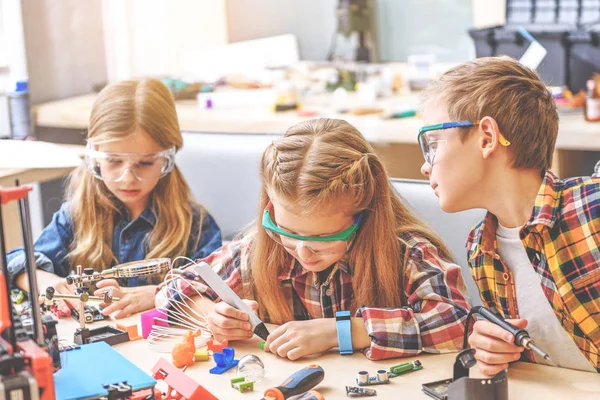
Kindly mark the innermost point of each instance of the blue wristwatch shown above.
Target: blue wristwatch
(344, 332)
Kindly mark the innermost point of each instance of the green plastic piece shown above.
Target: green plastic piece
(405, 368)
(240, 383)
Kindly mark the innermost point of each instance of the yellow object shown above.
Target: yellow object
(503, 141)
(366, 110)
(201, 355)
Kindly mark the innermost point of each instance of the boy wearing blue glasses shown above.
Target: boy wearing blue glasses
(335, 257)
(491, 126)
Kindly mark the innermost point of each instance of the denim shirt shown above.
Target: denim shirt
(53, 246)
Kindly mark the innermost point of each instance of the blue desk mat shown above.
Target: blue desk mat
(86, 369)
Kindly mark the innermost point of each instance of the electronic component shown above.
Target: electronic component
(353, 391)
(381, 378)
(405, 368)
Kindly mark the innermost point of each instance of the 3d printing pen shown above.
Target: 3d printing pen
(226, 294)
(522, 337)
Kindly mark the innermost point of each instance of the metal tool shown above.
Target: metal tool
(299, 382)
(522, 337)
(353, 391)
(225, 293)
(127, 270)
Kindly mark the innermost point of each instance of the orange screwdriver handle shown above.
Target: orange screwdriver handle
(299, 382)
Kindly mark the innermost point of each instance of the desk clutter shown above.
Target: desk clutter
(34, 365)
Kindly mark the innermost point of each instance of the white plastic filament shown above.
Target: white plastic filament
(182, 318)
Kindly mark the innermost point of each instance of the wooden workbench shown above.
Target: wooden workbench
(526, 380)
(394, 140)
(12, 230)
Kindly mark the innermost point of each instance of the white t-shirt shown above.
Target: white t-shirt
(542, 324)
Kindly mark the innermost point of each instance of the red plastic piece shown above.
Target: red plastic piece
(38, 361)
(180, 386)
(13, 193)
(4, 305)
(58, 313)
(146, 394)
(41, 367)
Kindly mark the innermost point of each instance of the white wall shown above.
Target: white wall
(312, 21)
(160, 37)
(488, 13)
(13, 42)
(12, 54)
(64, 46)
(404, 26)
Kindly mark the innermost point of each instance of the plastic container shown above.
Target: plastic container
(19, 111)
(592, 102)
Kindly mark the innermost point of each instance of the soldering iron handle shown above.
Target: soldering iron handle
(518, 334)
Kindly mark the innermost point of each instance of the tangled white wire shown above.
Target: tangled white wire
(182, 319)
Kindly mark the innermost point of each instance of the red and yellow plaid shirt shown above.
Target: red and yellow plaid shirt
(562, 240)
(428, 322)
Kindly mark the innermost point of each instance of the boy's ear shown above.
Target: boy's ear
(489, 136)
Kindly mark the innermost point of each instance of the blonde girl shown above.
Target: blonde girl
(128, 202)
(332, 236)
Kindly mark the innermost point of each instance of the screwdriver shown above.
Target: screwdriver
(522, 337)
(299, 382)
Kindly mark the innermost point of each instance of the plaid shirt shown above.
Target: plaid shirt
(428, 323)
(562, 241)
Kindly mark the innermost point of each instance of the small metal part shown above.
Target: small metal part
(127, 270)
(353, 391)
(50, 292)
(108, 296)
(382, 375)
(529, 344)
(362, 378)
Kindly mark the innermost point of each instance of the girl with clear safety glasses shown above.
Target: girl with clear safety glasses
(334, 244)
(127, 202)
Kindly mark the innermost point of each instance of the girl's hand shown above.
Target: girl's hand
(60, 286)
(131, 300)
(226, 322)
(297, 339)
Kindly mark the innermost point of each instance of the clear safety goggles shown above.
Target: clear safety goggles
(113, 167)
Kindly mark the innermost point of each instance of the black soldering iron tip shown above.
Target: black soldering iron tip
(261, 331)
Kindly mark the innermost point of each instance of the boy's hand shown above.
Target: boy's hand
(131, 300)
(494, 346)
(226, 322)
(297, 339)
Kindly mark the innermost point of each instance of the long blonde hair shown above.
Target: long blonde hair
(121, 109)
(316, 164)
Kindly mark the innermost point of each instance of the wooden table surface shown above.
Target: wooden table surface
(73, 113)
(526, 380)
